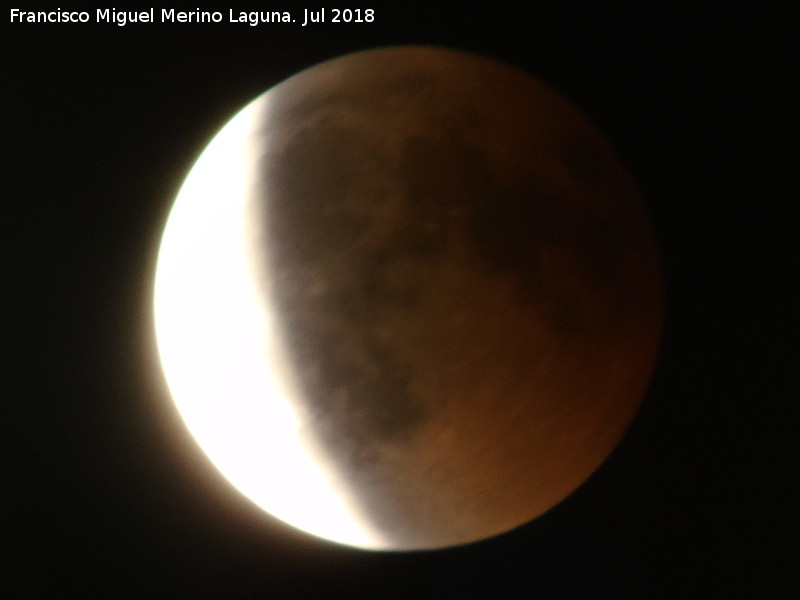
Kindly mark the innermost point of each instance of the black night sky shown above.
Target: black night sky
(104, 493)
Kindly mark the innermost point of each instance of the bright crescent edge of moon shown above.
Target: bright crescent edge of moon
(253, 438)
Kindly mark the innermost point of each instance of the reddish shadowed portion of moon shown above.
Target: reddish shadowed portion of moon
(462, 285)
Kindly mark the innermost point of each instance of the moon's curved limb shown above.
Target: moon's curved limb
(223, 362)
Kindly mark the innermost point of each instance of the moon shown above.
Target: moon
(408, 299)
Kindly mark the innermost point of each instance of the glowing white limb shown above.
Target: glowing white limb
(220, 353)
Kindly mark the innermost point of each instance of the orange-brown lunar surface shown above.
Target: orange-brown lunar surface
(464, 286)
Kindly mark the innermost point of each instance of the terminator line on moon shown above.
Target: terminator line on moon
(408, 299)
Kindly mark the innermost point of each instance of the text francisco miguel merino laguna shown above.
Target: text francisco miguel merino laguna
(170, 15)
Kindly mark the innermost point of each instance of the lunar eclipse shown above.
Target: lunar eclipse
(408, 299)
